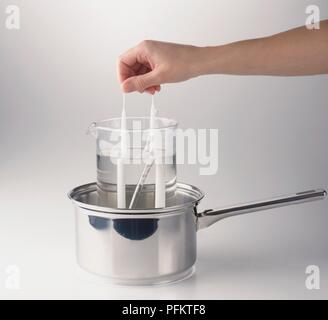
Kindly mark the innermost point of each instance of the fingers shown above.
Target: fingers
(153, 90)
(124, 71)
(128, 65)
(136, 72)
(145, 82)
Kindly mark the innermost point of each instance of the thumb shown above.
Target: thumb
(140, 83)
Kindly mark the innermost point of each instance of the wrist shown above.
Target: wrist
(209, 60)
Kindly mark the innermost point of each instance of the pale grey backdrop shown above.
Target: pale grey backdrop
(57, 74)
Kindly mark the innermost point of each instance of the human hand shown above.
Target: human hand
(151, 63)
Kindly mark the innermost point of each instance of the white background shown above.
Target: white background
(57, 75)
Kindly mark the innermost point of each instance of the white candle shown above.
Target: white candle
(121, 201)
(121, 196)
(160, 183)
(160, 186)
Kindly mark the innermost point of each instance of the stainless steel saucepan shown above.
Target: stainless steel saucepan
(151, 246)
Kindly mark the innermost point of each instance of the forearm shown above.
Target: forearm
(296, 52)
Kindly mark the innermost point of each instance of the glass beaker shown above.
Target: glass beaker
(141, 152)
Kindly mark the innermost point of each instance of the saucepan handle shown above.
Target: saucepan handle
(208, 217)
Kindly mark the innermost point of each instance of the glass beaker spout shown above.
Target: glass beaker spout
(92, 130)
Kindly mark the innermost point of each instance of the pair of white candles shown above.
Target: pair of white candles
(159, 166)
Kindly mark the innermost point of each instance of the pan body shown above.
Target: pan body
(142, 247)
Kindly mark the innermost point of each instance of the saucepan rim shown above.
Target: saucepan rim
(194, 196)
